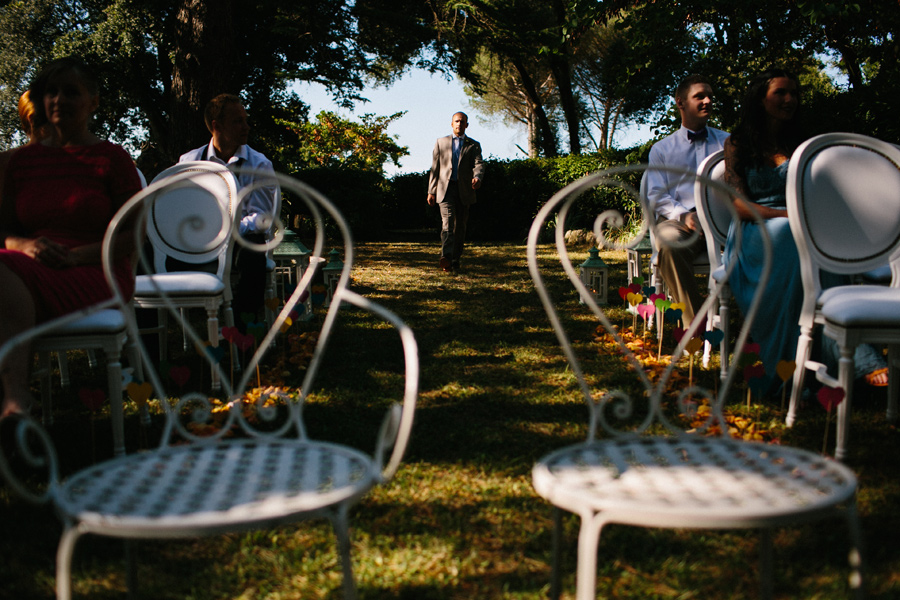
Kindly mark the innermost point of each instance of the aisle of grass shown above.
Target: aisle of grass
(461, 521)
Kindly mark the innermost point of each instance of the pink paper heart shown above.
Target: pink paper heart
(830, 397)
(657, 296)
(646, 310)
(180, 375)
(93, 399)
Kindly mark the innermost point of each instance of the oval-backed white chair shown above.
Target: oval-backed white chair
(659, 454)
(257, 467)
(191, 263)
(844, 210)
(715, 219)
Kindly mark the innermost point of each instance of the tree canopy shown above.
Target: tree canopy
(572, 71)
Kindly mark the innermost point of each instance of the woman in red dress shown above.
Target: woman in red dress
(59, 195)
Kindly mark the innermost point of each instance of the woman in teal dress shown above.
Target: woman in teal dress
(756, 163)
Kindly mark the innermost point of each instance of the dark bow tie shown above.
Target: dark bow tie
(698, 135)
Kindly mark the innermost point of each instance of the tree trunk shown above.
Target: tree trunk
(204, 50)
(547, 137)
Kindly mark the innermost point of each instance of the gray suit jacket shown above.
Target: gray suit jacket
(470, 167)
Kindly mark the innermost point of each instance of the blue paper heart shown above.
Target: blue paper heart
(649, 291)
(216, 353)
(673, 315)
(714, 336)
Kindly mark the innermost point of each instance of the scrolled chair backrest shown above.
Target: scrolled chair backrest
(623, 405)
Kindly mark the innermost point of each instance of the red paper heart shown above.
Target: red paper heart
(677, 333)
(180, 375)
(623, 292)
(93, 399)
(636, 288)
(751, 348)
(243, 342)
(830, 397)
(229, 333)
(753, 372)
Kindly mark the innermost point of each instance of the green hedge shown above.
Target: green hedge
(510, 197)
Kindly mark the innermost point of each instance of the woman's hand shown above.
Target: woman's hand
(42, 249)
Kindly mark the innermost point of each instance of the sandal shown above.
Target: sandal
(875, 378)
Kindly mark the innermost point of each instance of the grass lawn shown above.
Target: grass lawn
(461, 520)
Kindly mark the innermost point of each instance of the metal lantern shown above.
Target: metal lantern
(595, 276)
(332, 274)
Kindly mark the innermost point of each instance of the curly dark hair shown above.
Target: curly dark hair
(748, 135)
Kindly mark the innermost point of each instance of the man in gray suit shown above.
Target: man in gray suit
(456, 172)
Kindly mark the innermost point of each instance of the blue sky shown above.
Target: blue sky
(430, 101)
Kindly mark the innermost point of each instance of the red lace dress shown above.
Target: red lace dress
(66, 195)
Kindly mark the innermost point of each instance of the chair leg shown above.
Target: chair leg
(765, 564)
(893, 383)
(63, 368)
(588, 539)
(556, 567)
(843, 412)
(64, 563)
(212, 332)
(725, 346)
(855, 556)
(116, 403)
(804, 343)
(342, 532)
(162, 316)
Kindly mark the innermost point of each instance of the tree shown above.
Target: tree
(160, 61)
(338, 143)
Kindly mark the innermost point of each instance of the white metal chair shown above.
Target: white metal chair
(186, 225)
(844, 210)
(715, 218)
(268, 473)
(640, 467)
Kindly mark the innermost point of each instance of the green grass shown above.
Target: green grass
(461, 520)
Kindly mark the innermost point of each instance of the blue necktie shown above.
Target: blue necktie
(455, 157)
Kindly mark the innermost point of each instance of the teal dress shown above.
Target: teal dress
(776, 327)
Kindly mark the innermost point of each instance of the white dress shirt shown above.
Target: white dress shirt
(261, 202)
(669, 194)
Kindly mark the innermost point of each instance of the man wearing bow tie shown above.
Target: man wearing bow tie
(456, 173)
(672, 196)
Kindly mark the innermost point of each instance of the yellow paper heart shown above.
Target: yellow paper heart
(694, 345)
(678, 306)
(139, 392)
(272, 303)
(286, 325)
(785, 369)
(634, 299)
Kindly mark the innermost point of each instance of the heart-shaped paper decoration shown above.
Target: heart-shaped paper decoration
(216, 353)
(694, 345)
(785, 369)
(248, 317)
(638, 279)
(635, 287)
(678, 306)
(243, 341)
(180, 375)
(662, 304)
(229, 333)
(93, 399)
(714, 336)
(623, 292)
(658, 296)
(318, 294)
(673, 315)
(257, 330)
(646, 310)
(648, 290)
(754, 372)
(286, 325)
(635, 299)
(830, 397)
(272, 303)
(139, 392)
(677, 333)
(751, 348)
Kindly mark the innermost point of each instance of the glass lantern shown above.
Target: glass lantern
(595, 276)
(331, 273)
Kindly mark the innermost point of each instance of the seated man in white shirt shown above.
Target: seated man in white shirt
(226, 120)
(672, 196)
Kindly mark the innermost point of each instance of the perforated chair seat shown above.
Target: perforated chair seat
(184, 491)
(693, 482)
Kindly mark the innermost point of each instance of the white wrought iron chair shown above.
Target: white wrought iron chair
(186, 224)
(715, 218)
(258, 470)
(843, 197)
(640, 467)
(103, 330)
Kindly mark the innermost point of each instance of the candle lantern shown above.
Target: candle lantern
(332, 274)
(595, 276)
